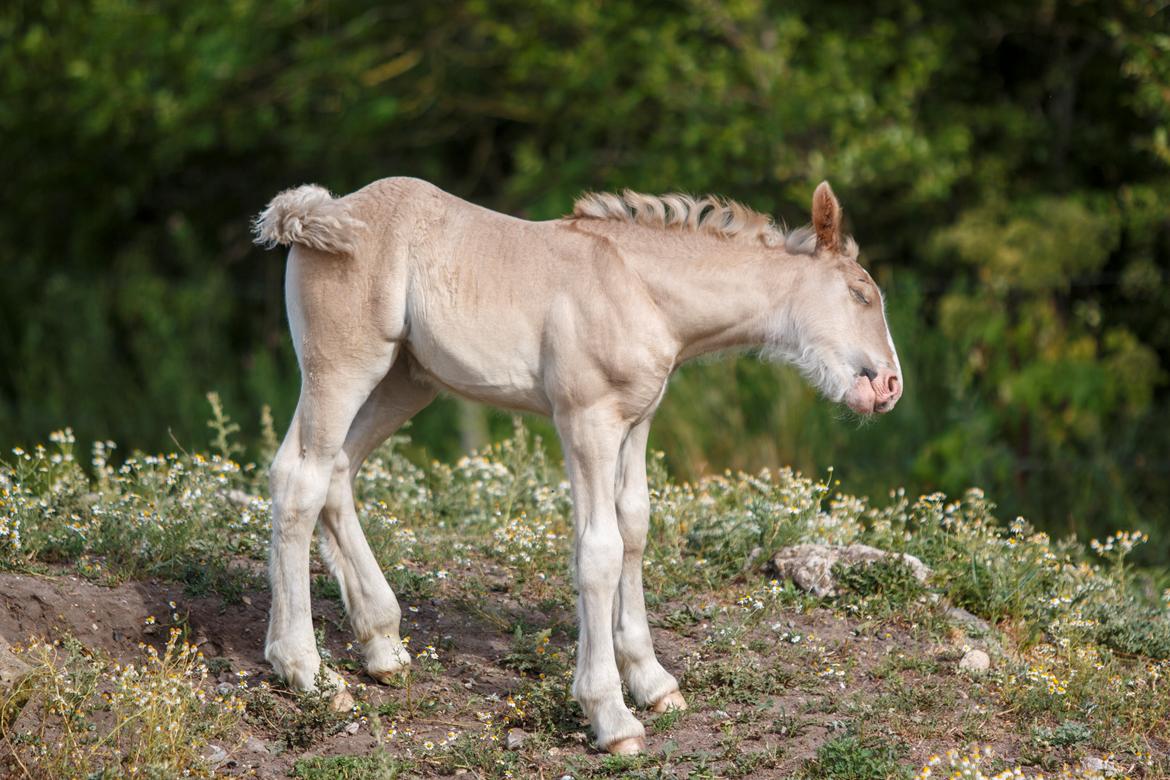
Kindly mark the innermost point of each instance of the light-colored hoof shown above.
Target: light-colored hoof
(671, 701)
(386, 659)
(631, 746)
(388, 676)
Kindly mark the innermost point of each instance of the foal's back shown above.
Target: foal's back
(492, 307)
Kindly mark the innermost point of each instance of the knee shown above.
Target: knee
(299, 489)
(633, 508)
(599, 561)
(280, 473)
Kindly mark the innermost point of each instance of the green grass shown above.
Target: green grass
(379, 765)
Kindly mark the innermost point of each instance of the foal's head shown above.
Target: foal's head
(837, 332)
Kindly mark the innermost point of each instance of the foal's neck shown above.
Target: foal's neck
(721, 295)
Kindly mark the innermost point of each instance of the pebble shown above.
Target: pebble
(968, 620)
(515, 739)
(215, 755)
(352, 728)
(1101, 766)
(255, 745)
(975, 661)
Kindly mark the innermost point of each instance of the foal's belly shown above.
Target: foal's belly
(498, 364)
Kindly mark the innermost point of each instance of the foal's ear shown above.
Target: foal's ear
(826, 217)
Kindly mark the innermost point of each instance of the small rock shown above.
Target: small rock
(720, 715)
(12, 669)
(515, 739)
(1101, 766)
(13, 695)
(255, 745)
(554, 751)
(239, 497)
(352, 728)
(967, 620)
(215, 755)
(975, 661)
(247, 601)
(224, 688)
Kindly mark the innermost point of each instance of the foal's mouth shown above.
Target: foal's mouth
(874, 391)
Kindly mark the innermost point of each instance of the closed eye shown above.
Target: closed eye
(859, 296)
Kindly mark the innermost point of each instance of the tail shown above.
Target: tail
(309, 216)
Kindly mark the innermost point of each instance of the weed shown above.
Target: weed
(890, 581)
(379, 764)
(850, 757)
(1069, 732)
(87, 716)
(735, 678)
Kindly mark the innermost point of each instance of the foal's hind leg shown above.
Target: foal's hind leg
(330, 398)
(649, 684)
(373, 610)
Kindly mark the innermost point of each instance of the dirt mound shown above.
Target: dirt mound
(118, 619)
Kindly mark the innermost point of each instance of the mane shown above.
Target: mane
(708, 214)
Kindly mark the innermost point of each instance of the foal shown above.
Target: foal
(400, 290)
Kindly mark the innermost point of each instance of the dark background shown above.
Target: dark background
(1003, 165)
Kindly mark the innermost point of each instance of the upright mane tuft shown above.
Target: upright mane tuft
(708, 214)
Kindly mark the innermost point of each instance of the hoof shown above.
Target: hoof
(386, 659)
(342, 701)
(671, 701)
(388, 676)
(631, 746)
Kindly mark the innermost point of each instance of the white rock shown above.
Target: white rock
(1102, 766)
(352, 728)
(975, 661)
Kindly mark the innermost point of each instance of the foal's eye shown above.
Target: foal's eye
(859, 296)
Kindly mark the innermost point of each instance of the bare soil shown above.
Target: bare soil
(910, 683)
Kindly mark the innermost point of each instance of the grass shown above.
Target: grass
(861, 685)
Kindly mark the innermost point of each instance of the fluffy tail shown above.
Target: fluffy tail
(309, 216)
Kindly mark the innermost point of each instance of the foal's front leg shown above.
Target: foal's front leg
(591, 442)
(649, 684)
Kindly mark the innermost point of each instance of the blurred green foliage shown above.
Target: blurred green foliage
(1003, 165)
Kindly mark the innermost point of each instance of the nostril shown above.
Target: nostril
(892, 384)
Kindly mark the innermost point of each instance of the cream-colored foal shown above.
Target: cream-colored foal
(400, 290)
